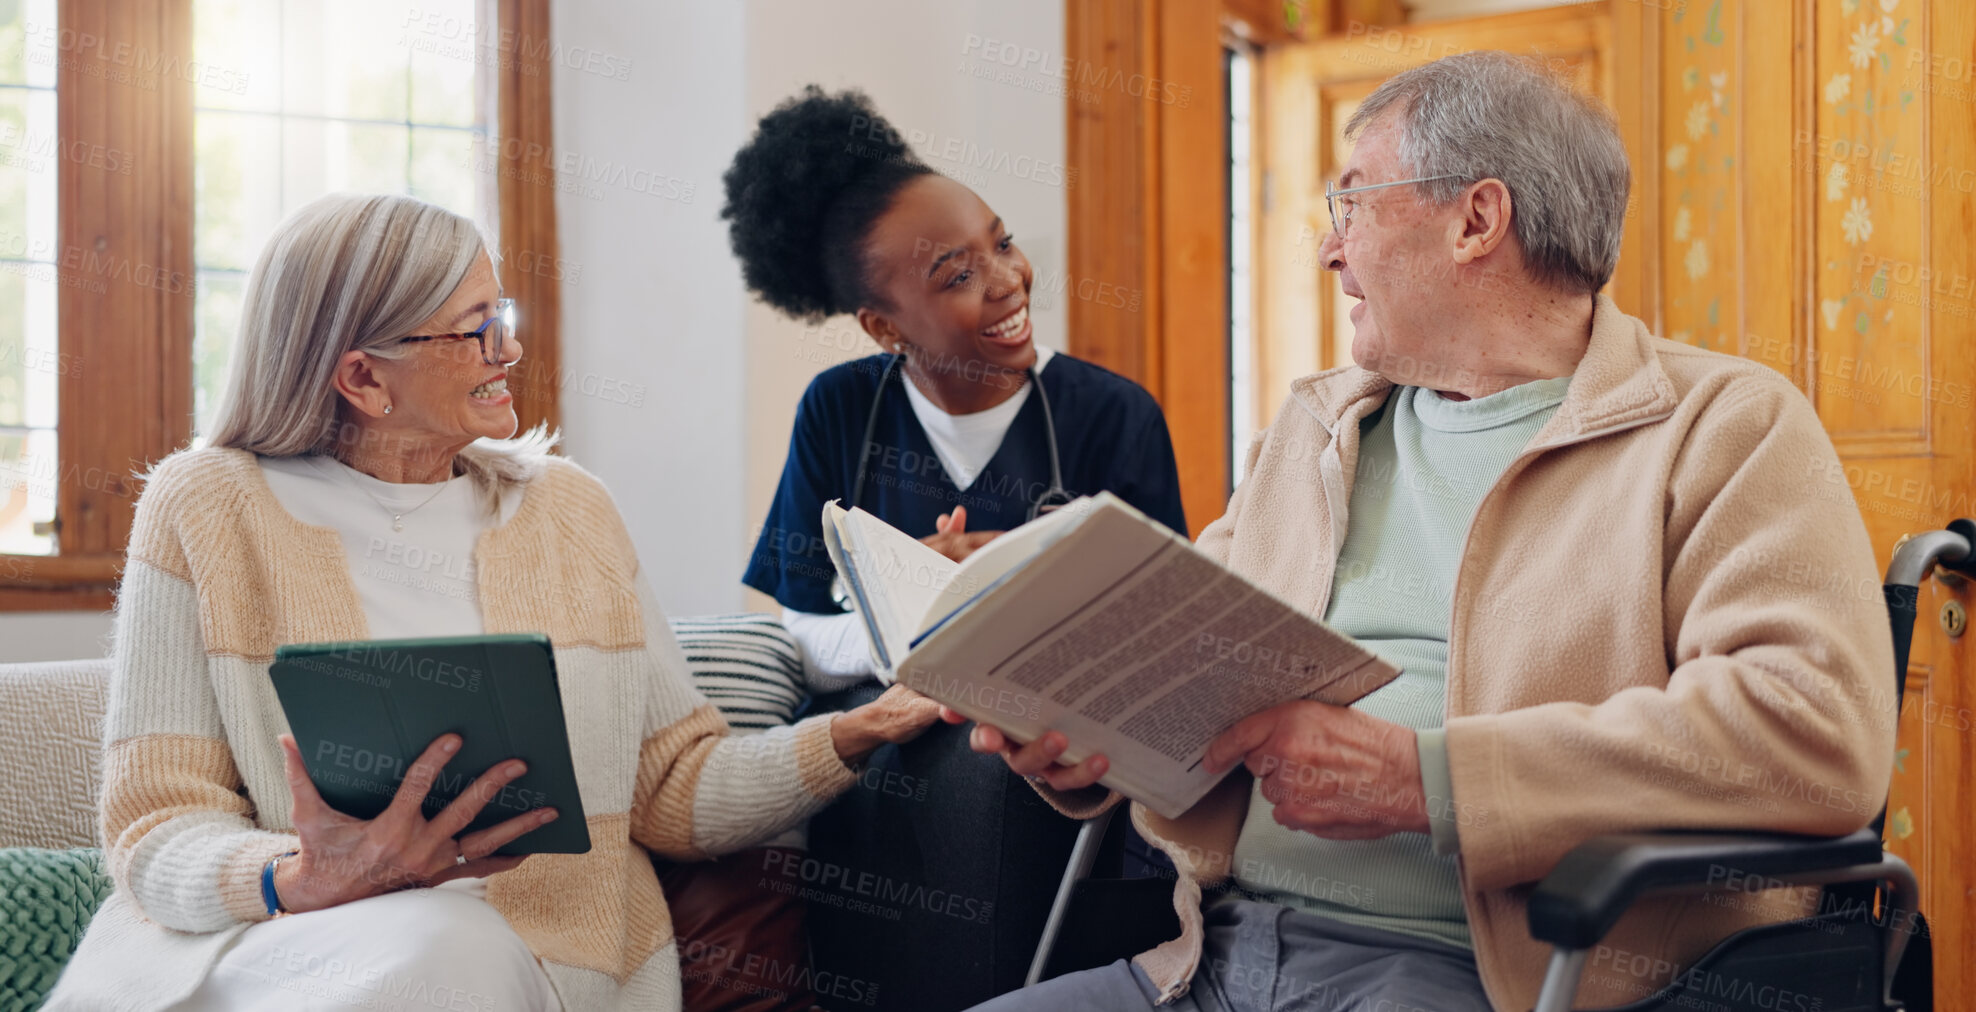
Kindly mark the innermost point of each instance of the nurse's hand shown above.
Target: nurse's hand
(1036, 759)
(897, 716)
(954, 540)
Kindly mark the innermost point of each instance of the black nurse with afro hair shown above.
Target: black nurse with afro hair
(831, 213)
(805, 192)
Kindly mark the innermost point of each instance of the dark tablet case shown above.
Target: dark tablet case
(362, 712)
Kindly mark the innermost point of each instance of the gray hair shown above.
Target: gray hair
(1490, 115)
(348, 272)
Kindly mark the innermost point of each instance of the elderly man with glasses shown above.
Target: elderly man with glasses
(1622, 592)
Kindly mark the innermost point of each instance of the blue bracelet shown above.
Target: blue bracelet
(268, 895)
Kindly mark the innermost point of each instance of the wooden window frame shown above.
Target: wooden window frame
(127, 402)
(527, 207)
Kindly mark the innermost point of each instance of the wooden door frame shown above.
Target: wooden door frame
(1147, 218)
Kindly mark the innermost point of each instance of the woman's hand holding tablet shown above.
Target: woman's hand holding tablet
(344, 858)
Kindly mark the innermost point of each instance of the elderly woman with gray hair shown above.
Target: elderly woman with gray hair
(358, 486)
(1585, 548)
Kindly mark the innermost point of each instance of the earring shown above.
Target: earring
(387, 409)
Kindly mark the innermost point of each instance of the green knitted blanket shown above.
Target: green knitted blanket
(46, 899)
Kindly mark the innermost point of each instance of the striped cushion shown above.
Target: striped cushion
(747, 665)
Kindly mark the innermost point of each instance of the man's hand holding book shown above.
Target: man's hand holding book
(1329, 770)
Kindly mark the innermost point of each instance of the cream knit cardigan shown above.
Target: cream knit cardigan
(195, 800)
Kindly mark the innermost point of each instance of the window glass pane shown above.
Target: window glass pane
(331, 156)
(238, 185)
(369, 96)
(1241, 279)
(13, 345)
(339, 59)
(18, 166)
(240, 41)
(446, 48)
(27, 490)
(31, 363)
(27, 43)
(30, 369)
(13, 46)
(217, 314)
(441, 166)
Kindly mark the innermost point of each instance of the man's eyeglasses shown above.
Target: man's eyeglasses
(493, 335)
(1341, 222)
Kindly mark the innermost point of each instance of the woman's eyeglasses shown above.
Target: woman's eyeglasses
(493, 335)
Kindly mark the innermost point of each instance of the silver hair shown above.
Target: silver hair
(348, 272)
(1491, 115)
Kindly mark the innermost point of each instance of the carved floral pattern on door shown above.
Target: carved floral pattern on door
(1699, 138)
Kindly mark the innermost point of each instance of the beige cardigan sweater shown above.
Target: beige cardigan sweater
(194, 797)
(1665, 617)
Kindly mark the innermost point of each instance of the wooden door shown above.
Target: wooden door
(1886, 161)
(1804, 196)
(1815, 165)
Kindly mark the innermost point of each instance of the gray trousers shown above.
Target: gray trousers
(1260, 957)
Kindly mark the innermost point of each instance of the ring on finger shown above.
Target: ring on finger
(461, 857)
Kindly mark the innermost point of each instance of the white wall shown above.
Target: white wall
(659, 303)
(53, 635)
(1002, 134)
(654, 317)
(679, 389)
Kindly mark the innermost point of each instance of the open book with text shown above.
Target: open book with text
(1099, 622)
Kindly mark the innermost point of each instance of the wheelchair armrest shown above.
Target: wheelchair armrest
(1580, 900)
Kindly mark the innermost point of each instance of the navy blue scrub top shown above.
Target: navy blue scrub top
(1111, 437)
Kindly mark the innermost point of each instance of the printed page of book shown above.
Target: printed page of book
(1132, 643)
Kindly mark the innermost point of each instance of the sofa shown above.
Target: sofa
(51, 878)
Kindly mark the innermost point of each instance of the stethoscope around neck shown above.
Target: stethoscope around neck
(1052, 497)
